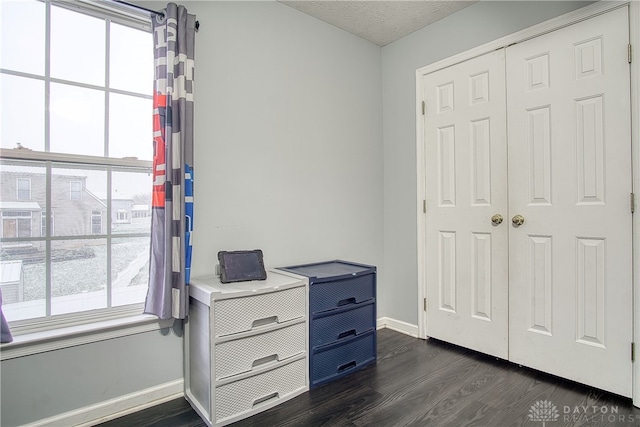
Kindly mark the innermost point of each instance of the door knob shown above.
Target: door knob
(517, 220)
(496, 219)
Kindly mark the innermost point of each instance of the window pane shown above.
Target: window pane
(77, 120)
(22, 269)
(24, 188)
(79, 275)
(131, 202)
(43, 223)
(77, 47)
(16, 224)
(21, 112)
(76, 212)
(21, 216)
(130, 270)
(131, 59)
(24, 226)
(130, 127)
(75, 191)
(96, 222)
(22, 25)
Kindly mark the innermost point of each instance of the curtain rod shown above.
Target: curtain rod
(151, 11)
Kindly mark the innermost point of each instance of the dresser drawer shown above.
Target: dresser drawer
(343, 325)
(245, 354)
(243, 314)
(325, 296)
(336, 360)
(270, 387)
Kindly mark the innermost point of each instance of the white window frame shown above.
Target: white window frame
(60, 331)
(28, 180)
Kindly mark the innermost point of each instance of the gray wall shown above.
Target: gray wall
(475, 25)
(288, 137)
(48, 384)
(288, 159)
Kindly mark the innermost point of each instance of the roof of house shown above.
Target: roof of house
(23, 206)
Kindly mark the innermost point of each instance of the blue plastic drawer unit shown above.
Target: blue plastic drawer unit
(336, 325)
(342, 324)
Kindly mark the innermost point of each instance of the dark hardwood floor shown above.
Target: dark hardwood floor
(425, 383)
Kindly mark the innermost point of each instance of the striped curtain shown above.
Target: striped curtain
(174, 45)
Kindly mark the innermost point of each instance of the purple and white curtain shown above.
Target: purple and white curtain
(174, 45)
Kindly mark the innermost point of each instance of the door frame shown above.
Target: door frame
(520, 36)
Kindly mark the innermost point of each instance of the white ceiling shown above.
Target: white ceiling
(379, 21)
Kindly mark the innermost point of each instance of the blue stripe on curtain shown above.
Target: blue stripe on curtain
(174, 42)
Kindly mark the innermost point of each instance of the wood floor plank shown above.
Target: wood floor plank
(423, 383)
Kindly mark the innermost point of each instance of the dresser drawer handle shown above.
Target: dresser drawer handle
(346, 301)
(346, 366)
(347, 333)
(266, 398)
(263, 360)
(265, 321)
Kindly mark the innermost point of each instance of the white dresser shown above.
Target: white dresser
(246, 345)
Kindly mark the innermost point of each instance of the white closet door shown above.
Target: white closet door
(466, 164)
(570, 179)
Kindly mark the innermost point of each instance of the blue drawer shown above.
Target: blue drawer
(337, 360)
(330, 327)
(326, 296)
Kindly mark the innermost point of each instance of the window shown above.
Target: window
(43, 223)
(75, 190)
(122, 215)
(24, 188)
(81, 105)
(96, 222)
(16, 224)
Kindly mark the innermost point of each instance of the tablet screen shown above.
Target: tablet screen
(239, 266)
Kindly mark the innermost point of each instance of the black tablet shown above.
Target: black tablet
(241, 266)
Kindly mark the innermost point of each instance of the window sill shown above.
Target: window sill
(56, 339)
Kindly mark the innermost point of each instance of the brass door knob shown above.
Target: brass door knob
(517, 220)
(496, 219)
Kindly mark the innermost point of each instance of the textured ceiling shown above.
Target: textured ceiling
(380, 22)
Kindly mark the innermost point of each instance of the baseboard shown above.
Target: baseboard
(398, 326)
(117, 407)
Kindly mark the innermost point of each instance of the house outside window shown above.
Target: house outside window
(23, 186)
(86, 135)
(75, 190)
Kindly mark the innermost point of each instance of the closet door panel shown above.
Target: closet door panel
(466, 254)
(570, 262)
